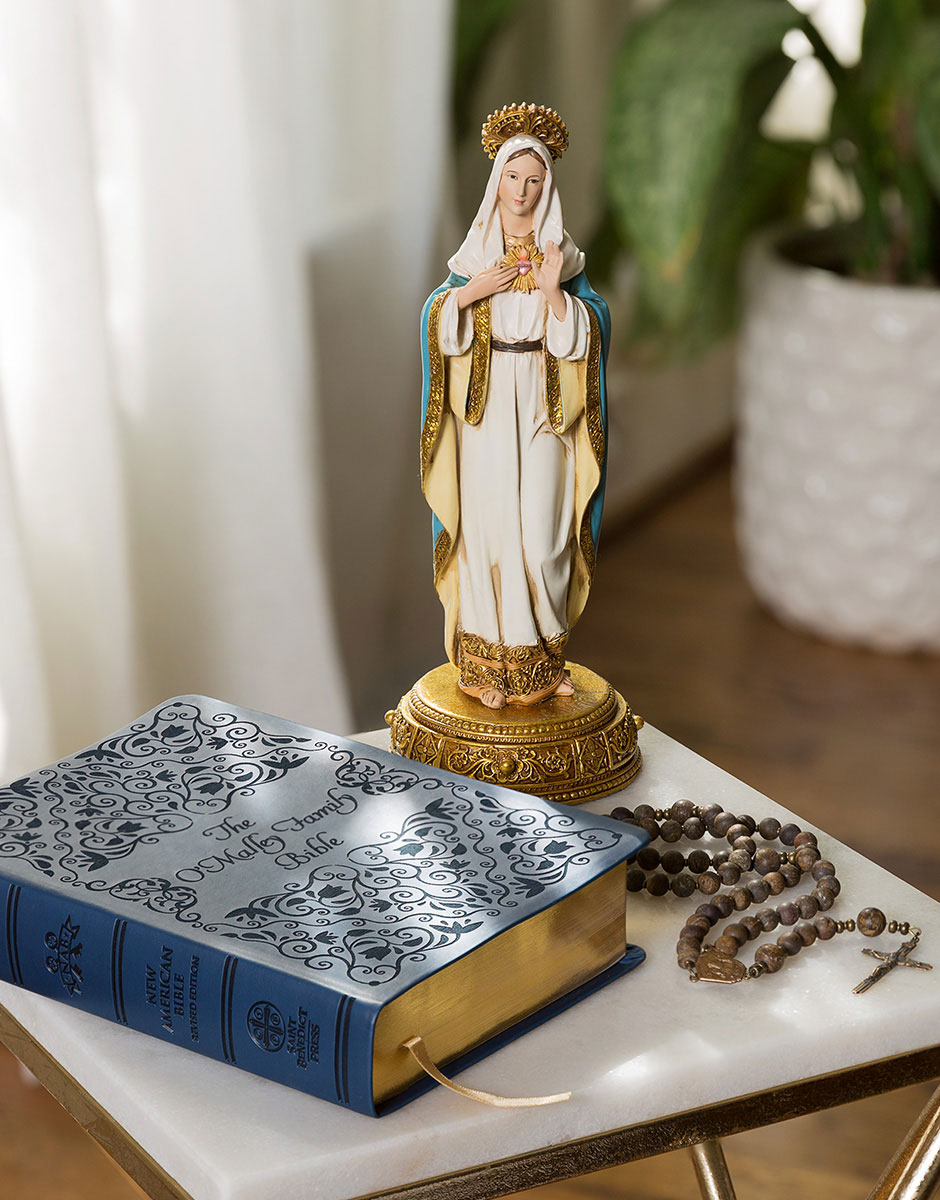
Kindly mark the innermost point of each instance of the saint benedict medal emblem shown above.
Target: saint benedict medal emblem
(266, 1026)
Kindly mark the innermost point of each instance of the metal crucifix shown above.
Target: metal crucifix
(896, 958)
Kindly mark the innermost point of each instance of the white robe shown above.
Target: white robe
(517, 538)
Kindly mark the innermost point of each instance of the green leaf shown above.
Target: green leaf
(888, 33)
(690, 86)
(927, 102)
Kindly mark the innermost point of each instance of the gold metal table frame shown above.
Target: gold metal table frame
(913, 1173)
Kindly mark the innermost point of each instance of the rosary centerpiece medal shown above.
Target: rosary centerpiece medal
(513, 458)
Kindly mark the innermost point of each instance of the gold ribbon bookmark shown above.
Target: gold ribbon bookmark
(419, 1053)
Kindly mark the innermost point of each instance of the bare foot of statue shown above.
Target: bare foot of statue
(565, 686)
(493, 698)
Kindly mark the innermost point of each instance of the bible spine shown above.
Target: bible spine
(176, 988)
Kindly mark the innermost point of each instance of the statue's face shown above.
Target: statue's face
(520, 184)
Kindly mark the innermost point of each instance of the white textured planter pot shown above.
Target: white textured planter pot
(838, 453)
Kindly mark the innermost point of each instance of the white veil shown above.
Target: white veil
(483, 245)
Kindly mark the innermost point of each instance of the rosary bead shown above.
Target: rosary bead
(670, 831)
(766, 860)
(805, 839)
(651, 827)
(768, 919)
(699, 861)
(747, 820)
(721, 823)
(770, 957)
(788, 913)
(622, 814)
(775, 882)
(648, 858)
(893, 927)
(759, 890)
(687, 961)
(832, 884)
(644, 812)
(657, 885)
(719, 857)
(673, 861)
(769, 829)
(740, 859)
(738, 932)
(683, 885)
(791, 874)
(790, 942)
(727, 945)
(872, 921)
(693, 828)
(682, 810)
(752, 927)
(709, 814)
(708, 883)
(788, 834)
(688, 946)
(807, 857)
(711, 913)
(746, 844)
(724, 905)
(740, 897)
(823, 868)
(636, 879)
(737, 830)
(825, 928)
(807, 907)
(824, 897)
(695, 927)
(728, 873)
(807, 933)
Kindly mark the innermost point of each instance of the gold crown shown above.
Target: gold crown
(535, 119)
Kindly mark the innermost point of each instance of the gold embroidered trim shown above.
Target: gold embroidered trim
(435, 409)
(519, 672)
(595, 425)
(593, 414)
(480, 362)
(442, 549)
(556, 413)
(586, 542)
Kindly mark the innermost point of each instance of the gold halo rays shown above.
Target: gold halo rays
(535, 119)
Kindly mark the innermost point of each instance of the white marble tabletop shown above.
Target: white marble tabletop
(649, 1045)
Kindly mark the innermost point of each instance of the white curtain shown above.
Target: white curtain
(216, 226)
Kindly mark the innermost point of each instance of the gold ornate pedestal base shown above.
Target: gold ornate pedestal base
(570, 748)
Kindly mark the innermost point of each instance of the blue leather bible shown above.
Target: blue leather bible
(299, 905)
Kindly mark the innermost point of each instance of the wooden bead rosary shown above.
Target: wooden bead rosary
(671, 870)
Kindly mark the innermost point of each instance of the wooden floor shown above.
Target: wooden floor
(847, 738)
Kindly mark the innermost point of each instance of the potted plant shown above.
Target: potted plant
(838, 452)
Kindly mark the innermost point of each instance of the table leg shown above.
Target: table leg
(914, 1172)
(711, 1170)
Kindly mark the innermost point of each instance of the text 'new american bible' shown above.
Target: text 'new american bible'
(300, 905)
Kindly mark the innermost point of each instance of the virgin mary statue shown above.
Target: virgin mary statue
(514, 424)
